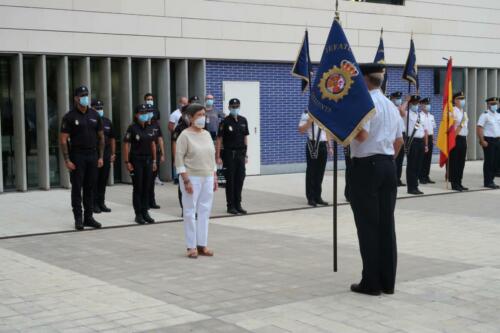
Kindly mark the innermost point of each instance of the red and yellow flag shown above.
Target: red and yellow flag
(446, 135)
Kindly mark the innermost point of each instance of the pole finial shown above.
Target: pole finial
(381, 31)
(337, 16)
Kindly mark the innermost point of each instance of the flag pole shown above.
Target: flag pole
(335, 174)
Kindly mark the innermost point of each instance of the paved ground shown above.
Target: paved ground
(272, 271)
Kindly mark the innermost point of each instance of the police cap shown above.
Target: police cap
(459, 95)
(425, 100)
(141, 108)
(81, 90)
(396, 94)
(234, 102)
(97, 104)
(492, 100)
(414, 98)
(193, 99)
(371, 68)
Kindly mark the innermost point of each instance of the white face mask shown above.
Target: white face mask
(200, 122)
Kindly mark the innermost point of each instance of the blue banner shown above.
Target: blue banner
(410, 72)
(340, 101)
(380, 59)
(302, 67)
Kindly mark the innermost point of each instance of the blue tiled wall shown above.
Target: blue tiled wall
(282, 102)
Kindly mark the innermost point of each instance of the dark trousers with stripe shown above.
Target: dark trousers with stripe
(414, 163)
(489, 165)
(84, 177)
(457, 160)
(315, 172)
(373, 200)
(426, 164)
(399, 161)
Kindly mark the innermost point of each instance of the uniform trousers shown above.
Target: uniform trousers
(83, 177)
(348, 163)
(457, 160)
(315, 172)
(196, 210)
(141, 179)
(426, 164)
(414, 163)
(152, 197)
(399, 161)
(489, 160)
(235, 171)
(102, 180)
(373, 200)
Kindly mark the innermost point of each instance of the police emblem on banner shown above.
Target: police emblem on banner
(336, 83)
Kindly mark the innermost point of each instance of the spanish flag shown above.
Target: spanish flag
(446, 136)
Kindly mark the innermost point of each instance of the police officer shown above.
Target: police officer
(430, 125)
(82, 145)
(316, 157)
(139, 150)
(459, 153)
(397, 99)
(417, 145)
(233, 137)
(149, 100)
(109, 157)
(160, 153)
(374, 188)
(488, 131)
(214, 117)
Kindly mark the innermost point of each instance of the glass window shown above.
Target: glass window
(30, 121)
(53, 121)
(458, 79)
(135, 83)
(7, 121)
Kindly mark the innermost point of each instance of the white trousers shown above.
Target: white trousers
(200, 202)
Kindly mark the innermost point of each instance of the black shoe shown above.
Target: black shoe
(358, 289)
(388, 291)
(139, 219)
(322, 202)
(104, 208)
(90, 222)
(241, 210)
(96, 209)
(232, 210)
(423, 181)
(415, 191)
(400, 183)
(463, 187)
(456, 187)
(147, 218)
(176, 181)
(492, 186)
(430, 181)
(312, 203)
(78, 223)
(154, 205)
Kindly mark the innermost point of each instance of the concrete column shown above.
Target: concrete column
(125, 106)
(1, 159)
(492, 83)
(42, 122)
(144, 77)
(181, 78)
(106, 97)
(19, 122)
(164, 102)
(63, 107)
(482, 91)
(83, 72)
(196, 72)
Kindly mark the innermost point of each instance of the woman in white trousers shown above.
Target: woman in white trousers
(195, 162)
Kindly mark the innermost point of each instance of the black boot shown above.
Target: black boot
(139, 219)
(232, 210)
(104, 208)
(241, 210)
(147, 218)
(90, 222)
(154, 205)
(96, 209)
(78, 223)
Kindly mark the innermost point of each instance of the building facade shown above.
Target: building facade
(122, 49)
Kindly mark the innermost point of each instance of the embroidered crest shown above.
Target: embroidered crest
(230, 128)
(76, 122)
(336, 83)
(137, 137)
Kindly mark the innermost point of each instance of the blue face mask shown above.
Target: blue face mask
(462, 103)
(398, 102)
(144, 117)
(414, 108)
(494, 108)
(150, 102)
(427, 108)
(101, 113)
(150, 115)
(209, 103)
(84, 101)
(234, 112)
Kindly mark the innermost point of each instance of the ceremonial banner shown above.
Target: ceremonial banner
(410, 72)
(302, 67)
(446, 135)
(380, 58)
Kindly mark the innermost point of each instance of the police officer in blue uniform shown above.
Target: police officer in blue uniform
(232, 136)
(140, 157)
(417, 145)
(82, 145)
(397, 99)
(160, 152)
(374, 188)
(108, 158)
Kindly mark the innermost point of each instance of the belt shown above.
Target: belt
(490, 138)
(82, 150)
(418, 139)
(373, 158)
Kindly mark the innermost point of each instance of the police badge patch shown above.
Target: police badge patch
(76, 122)
(230, 128)
(335, 83)
(137, 137)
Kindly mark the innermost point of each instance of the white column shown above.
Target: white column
(19, 122)
(492, 83)
(196, 72)
(164, 102)
(144, 77)
(83, 73)
(481, 93)
(181, 78)
(125, 106)
(107, 99)
(42, 123)
(63, 107)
